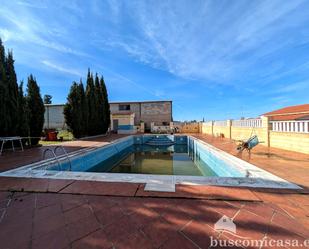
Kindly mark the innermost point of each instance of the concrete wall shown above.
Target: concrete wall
(241, 133)
(158, 112)
(207, 128)
(225, 130)
(293, 141)
(190, 128)
(290, 141)
(53, 117)
(134, 107)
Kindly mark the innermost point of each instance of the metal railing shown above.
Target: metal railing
(220, 123)
(254, 122)
(65, 153)
(54, 153)
(291, 126)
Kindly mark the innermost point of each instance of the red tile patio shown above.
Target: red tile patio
(42, 213)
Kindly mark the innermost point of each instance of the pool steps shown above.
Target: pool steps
(160, 141)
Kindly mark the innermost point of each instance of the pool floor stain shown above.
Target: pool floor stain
(159, 160)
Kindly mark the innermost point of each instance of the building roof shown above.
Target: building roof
(133, 102)
(297, 112)
(54, 104)
(290, 117)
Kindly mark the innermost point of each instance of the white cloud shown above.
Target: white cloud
(29, 29)
(208, 40)
(61, 68)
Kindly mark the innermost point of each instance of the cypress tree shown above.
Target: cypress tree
(73, 111)
(23, 122)
(106, 109)
(91, 102)
(83, 109)
(12, 100)
(99, 106)
(36, 110)
(87, 112)
(4, 127)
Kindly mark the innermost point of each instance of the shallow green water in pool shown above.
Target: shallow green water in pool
(144, 159)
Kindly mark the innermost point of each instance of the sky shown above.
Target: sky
(214, 59)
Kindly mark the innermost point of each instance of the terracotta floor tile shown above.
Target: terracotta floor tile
(120, 229)
(159, 205)
(46, 212)
(81, 228)
(130, 205)
(44, 200)
(109, 215)
(135, 240)
(115, 188)
(78, 187)
(55, 185)
(177, 241)
(159, 231)
(176, 218)
(100, 203)
(15, 235)
(250, 225)
(76, 213)
(55, 239)
(207, 216)
(199, 233)
(4, 203)
(294, 211)
(300, 200)
(5, 195)
(284, 225)
(143, 216)
(70, 201)
(96, 240)
(38, 185)
(46, 225)
(222, 207)
(260, 209)
(272, 197)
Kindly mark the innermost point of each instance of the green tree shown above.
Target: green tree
(12, 91)
(83, 108)
(47, 99)
(91, 102)
(99, 106)
(87, 112)
(73, 111)
(106, 109)
(4, 126)
(36, 110)
(23, 113)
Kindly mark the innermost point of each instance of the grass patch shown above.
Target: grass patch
(66, 135)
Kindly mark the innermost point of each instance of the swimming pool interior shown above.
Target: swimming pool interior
(149, 154)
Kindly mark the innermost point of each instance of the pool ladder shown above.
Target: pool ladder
(56, 157)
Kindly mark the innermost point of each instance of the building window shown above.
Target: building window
(124, 107)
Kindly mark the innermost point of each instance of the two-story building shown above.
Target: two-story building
(125, 114)
(159, 112)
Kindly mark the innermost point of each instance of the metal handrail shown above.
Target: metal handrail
(65, 153)
(55, 156)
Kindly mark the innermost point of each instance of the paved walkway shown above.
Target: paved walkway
(10, 159)
(47, 220)
(288, 165)
(42, 213)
